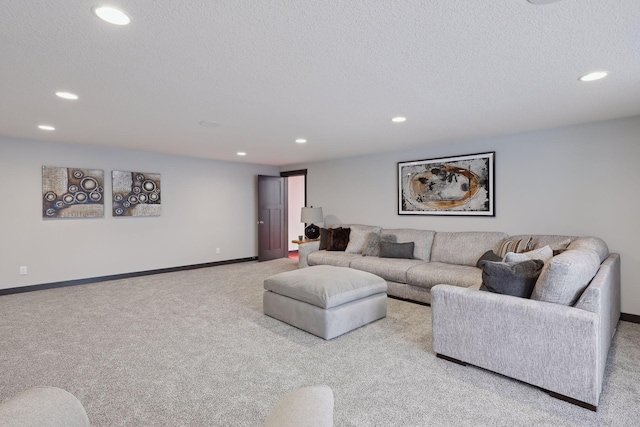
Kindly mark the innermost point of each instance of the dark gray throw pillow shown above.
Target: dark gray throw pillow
(510, 278)
(338, 239)
(488, 256)
(372, 245)
(324, 235)
(396, 250)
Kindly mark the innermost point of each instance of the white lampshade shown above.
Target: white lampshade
(311, 215)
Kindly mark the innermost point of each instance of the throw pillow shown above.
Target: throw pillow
(358, 237)
(338, 239)
(566, 276)
(518, 246)
(324, 234)
(396, 250)
(510, 278)
(544, 253)
(372, 246)
(488, 256)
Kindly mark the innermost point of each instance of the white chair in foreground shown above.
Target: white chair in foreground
(54, 407)
(43, 407)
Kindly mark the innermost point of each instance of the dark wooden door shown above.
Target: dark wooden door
(272, 217)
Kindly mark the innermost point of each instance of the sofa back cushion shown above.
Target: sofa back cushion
(464, 248)
(593, 244)
(423, 240)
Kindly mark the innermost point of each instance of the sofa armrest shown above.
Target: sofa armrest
(602, 297)
(551, 346)
(304, 249)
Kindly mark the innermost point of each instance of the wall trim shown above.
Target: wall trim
(633, 318)
(66, 283)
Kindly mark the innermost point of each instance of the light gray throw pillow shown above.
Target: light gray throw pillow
(358, 237)
(566, 276)
(372, 246)
(544, 253)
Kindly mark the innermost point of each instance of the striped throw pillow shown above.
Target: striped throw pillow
(518, 246)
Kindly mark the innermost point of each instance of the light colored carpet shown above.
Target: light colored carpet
(193, 348)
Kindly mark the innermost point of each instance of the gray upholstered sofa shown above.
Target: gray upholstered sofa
(560, 348)
(558, 340)
(442, 257)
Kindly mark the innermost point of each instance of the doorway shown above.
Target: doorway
(296, 200)
(279, 211)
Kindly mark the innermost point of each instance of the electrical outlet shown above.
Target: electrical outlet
(217, 250)
(23, 270)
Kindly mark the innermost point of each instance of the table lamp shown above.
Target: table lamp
(310, 216)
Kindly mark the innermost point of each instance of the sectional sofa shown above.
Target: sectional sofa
(557, 340)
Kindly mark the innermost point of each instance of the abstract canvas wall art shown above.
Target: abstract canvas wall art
(136, 193)
(72, 192)
(461, 185)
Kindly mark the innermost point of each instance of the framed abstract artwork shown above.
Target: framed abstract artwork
(72, 192)
(136, 193)
(460, 185)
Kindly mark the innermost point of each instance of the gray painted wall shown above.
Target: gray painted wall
(577, 180)
(205, 205)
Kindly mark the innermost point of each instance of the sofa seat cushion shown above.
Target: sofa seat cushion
(430, 274)
(464, 248)
(336, 258)
(423, 240)
(392, 269)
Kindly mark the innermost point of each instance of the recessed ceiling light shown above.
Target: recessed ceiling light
(209, 124)
(241, 153)
(111, 15)
(66, 95)
(597, 75)
(46, 127)
(301, 141)
(399, 119)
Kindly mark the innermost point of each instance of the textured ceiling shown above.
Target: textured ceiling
(333, 72)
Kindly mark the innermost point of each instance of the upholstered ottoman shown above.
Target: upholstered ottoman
(324, 300)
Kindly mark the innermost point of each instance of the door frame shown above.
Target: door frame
(298, 173)
(286, 174)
